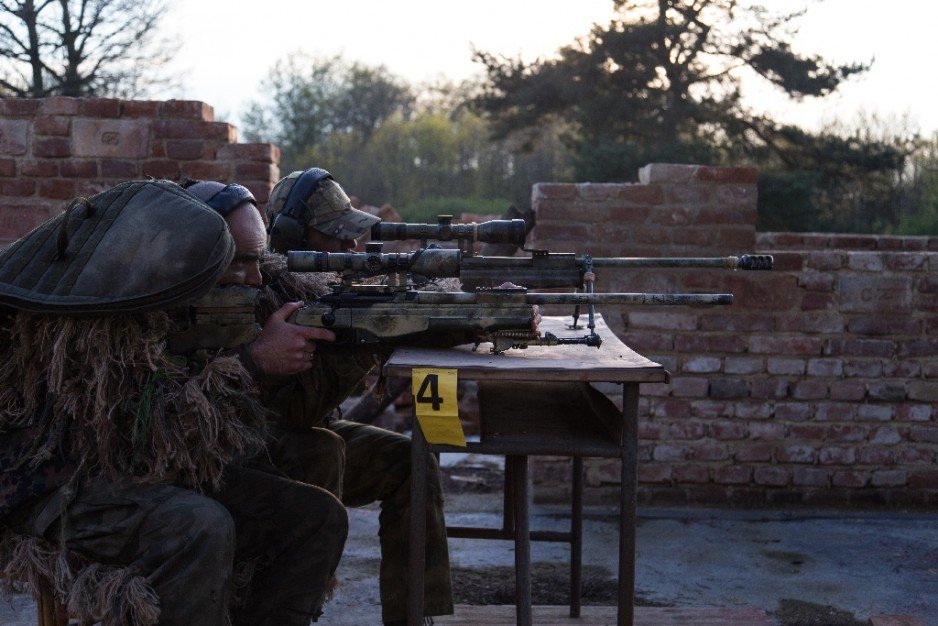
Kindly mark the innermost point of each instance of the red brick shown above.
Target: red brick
(262, 152)
(768, 431)
(206, 170)
(727, 174)
(56, 188)
(776, 293)
(844, 478)
(916, 456)
(811, 322)
(846, 432)
(743, 365)
(52, 147)
(192, 129)
(596, 191)
(60, 105)
(728, 430)
(825, 261)
(744, 195)
(41, 169)
(836, 455)
(905, 261)
(188, 109)
(924, 434)
(793, 411)
(19, 106)
(896, 620)
(825, 367)
(753, 411)
(649, 430)
(801, 432)
(753, 453)
(185, 149)
(816, 301)
(88, 188)
(778, 366)
(923, 480)
(19, 187)
(101, 107)
(730, 321)
(712, 409)
(14, 136)
(626, 214)
(725, 388)
(914, 412)
(732, 475)
(798, 345)
(710, 452)
(654, 473)
(902, 369)
(566, 191)
(887, 391)
(161, 169)
(766, 388)
(885, 325)
(116, 168)
(686, 430)
(809, 476)
(863, 368)
(51, 125)
(876, 455)
(141, 108)
(860, 347)
(79, 169)
(669, 453)
(796, 454)
(562, 232)
(835, 411)
(8, 167)
(810, 390)
(873, 412)
(701, 365)
(688, 387)
(771, 475)
(158, 149)
(690, 474)
(859, 242)
(923, 391)
(817, 282)
(918, 348)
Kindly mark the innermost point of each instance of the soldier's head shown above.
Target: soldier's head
(239, 208)
(309, 210)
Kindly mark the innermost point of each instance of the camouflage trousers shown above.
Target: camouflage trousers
(282, 538)
(377, 469)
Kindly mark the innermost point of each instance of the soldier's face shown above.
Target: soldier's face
(320, 242)
(250, 238)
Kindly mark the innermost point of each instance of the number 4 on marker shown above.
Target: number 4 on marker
(431, 381)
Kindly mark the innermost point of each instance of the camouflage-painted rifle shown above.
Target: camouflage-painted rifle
(507, 317)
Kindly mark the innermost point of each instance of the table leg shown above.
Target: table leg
(628, 504)
(522, 541)
(576, 537)
(418, 525)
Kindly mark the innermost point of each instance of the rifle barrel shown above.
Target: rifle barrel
(522, 297)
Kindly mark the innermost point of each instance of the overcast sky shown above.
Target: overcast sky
(228, 45)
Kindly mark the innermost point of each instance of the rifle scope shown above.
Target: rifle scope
(431, 263)
(492, 231)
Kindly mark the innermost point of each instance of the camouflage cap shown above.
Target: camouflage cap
(313, 198)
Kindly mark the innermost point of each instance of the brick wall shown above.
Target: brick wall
(54, 149)
(816, 386)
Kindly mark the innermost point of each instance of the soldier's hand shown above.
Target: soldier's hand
(282, 348)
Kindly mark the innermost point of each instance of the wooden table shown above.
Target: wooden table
(520, 415)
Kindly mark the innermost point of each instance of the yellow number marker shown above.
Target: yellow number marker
(437, 410)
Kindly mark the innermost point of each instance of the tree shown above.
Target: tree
(307, 99)
(81, 47)
(663, 81)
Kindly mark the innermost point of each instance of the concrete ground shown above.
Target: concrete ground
(798, 567)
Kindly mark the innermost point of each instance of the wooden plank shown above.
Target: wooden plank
(612, 362)
(596, 615)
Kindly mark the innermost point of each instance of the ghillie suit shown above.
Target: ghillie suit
(97, 395)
